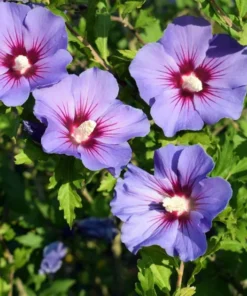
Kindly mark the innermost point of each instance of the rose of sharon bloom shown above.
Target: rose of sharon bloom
(190, 77)
(34, 129)
(53, 255)
(33, 52)
(98, 228)
(86, 121)
(174, 207)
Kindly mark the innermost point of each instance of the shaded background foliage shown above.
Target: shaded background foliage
(41, 194)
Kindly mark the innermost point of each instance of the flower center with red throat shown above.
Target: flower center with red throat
(83, 131)
(21, 64)
(191, 83)
(176, 204)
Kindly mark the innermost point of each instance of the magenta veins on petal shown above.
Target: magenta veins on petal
(84, 119)
(190, 77)
(33, 53)
(174, 207)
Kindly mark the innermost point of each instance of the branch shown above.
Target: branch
(180, 275)
(10, 258)
(87, 195)
(129, 26)
(223, 15)
(94, 53)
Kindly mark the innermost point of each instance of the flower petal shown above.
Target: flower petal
(121, 123)
(174, 112)
(166, 162)
(193, 165)
(50, 70)
(99, 155)
(149, 229)
(56, 140)
(137, 193)
(226, 62)
(50, 104)
(215, 104)
(211, 196)
(13, 92)
(12, 16)
(45, 32)
(190, 242)
(151, 69)
(94, 91)
(50, 265)
(187, 40)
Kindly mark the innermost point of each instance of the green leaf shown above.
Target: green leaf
(231, 245)
(107, 183)
(228, 218)
(226, 159)
(52, 182)
(7, 232)
(242, 7)
(240, 166)
(153, 32)
(144, 19)
(68, 169)
(194, 138)
(189, 291)
(30, 154)
(4, 286)
(154, 266)
(213, 246)
(241, 233)
(30, 239)
(241, 203)
(9, 124)
(21, 257)
(102, 27)
(22, 158)
(184, 3)
(243, 35)
(129, 6)
(58, 287)
(69, 200)
(127, 53)
(90, 19)
(226, 21)
(58, 12)
(146, 280)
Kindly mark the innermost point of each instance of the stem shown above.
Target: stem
(94, 53)
(20, 287)
(87, 195)
(129, 26)
(223, 15)
(10, 258)
(180, 275)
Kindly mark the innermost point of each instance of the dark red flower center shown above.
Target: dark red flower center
(189, 79)
(20, 62)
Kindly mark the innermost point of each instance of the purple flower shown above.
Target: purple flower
(86, 121)
(101, 228)
(34, 129)
(32, 51)
(190, 77)
(53, 255)
(175, 207)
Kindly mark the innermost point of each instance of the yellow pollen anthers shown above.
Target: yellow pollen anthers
(82, 132)
(21, 64)
(176, 204)
(191, 83)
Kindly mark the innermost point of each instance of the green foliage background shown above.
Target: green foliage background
(41, 194)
